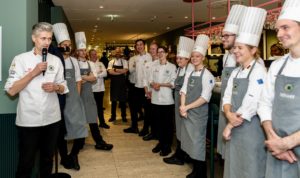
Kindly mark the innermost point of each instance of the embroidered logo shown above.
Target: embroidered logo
(288, 87)
(51, 68)
(260, 81)
(235, 86)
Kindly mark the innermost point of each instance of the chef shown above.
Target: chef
(245, 152)
(195, 95)
(117, 68)
(38, 111)
(162, 77)
(279, 106)
(184, 51)
(74, 116)
(88, 74)
(99, 87)
(228, 37)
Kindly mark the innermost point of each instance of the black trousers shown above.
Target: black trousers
(114, 108)
(96, 133)
(99, 101)
(148, 121)
(139, 102)
(131, 99)
(32, 140)
(163, 123)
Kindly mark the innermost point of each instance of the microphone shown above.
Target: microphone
(44, 55)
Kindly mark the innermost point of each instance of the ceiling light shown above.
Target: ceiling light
(96, 26)
(98, 18)
(168, 28)
(186, 17)
(213, 18)
(101, 7)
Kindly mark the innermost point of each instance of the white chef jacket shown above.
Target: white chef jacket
(131, 66)
(117, 62)
(68, 65)
(163, 73)
(36, 107)
(98, 86)
(256, 81)
(84, 65)
(147, 73)
(266, 102)
(140, 62)
(230, 62)
(208, 83)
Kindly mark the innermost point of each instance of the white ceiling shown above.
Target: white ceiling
(137, 18)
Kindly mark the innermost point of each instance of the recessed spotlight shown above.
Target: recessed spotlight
(96, 26)
(98, 18)
(167, 28)
(186, 17)
(213, 18)
(101, 7)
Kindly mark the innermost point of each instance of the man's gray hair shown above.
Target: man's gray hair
(41, 27)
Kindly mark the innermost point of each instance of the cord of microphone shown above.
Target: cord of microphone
(44, 56)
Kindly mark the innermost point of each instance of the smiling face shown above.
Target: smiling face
(162, 54)
(93, 55)
(288, 33)
(228, 40)
(41, 40)
(81, 53)
(182, 61)
(243, 53)
(197, 58)
(140, 47)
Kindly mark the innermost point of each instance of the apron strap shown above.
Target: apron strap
(226, 60)
(282, 67)
(251, 70)
(72, 63)
(179, 69)
(248, 73)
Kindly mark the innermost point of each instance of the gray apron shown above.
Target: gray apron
(226, 72)
(285, 121)
(193, 128)
(88, 99)
(118, 85)
(74, 110)
(178, 119)
(245, 152)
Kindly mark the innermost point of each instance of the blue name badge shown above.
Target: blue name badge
(260, 81)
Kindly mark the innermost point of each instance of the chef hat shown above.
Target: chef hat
(80, 40)
(185, 47)
(290, 10)
(201, 44)
(251, 26)
(234, 19)
(61, 33)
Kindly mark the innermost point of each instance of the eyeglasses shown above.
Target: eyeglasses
(226, 36)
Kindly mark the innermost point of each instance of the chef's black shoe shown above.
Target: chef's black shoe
(157, 148)
(143, 133)
(112, 119)
(165, 151)
(104, 146)
(173, 160)
(148, 137)
(104, 125)
(66, 162)
(131, 130)
(75, 162)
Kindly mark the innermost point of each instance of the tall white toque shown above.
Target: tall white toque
(80, 40)
(251, 26)
(290, 10)
(61, 33)
(185, 47)
(201, 44)
(234, 19)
